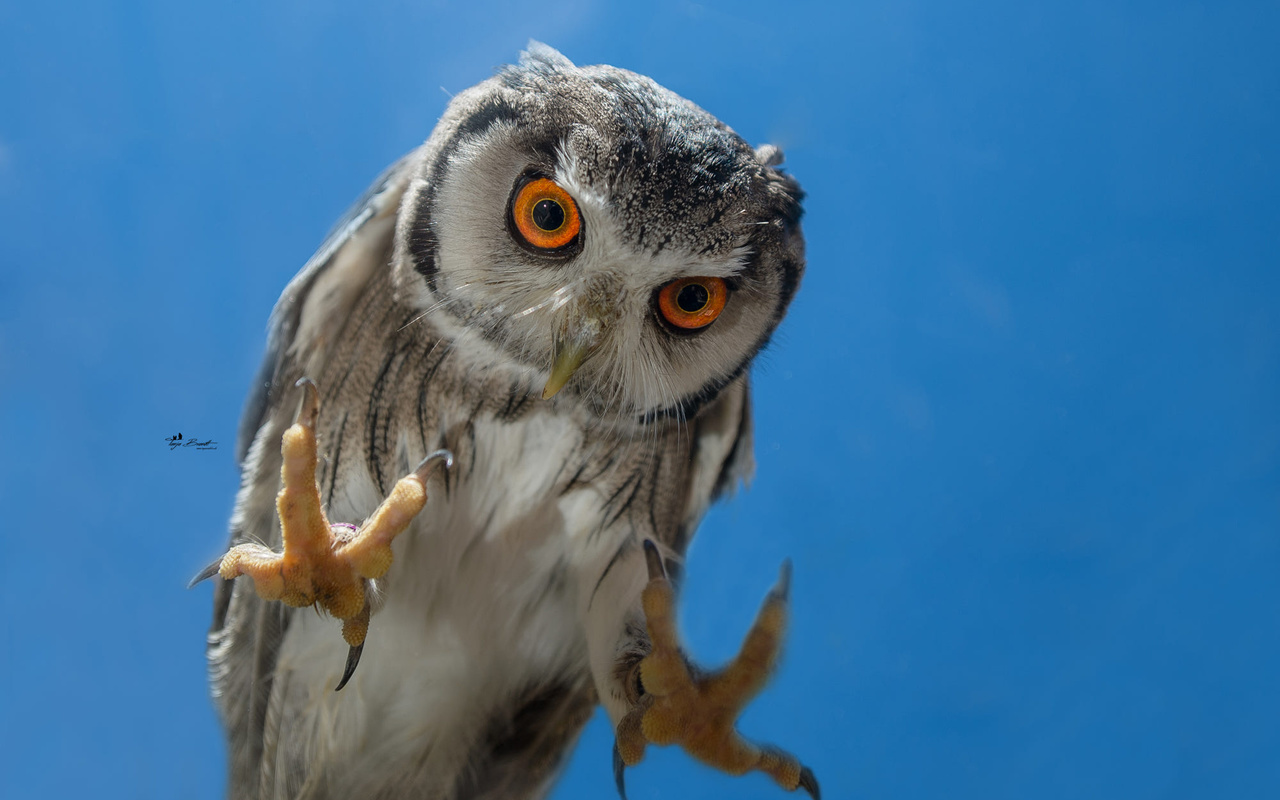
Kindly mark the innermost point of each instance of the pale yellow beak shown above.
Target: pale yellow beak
(570, 353)
(567, 361)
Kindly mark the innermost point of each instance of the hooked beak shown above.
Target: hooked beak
(571, 350)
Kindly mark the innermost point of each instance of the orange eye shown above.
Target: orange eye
(692, 303)
(545, 214)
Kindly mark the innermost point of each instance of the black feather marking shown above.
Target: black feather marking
(725, 479)
(333, 388)
(471, 437)
(790, 283)
(527, 739)
(577, 479)
(557, 580)
(680, 541)
(374, 419)
(688, 407)
(379, 411)
(560, 471)
(333, 462)
(573, 482)
(423, 243)
(517, 402)
(627, 544)
(424, 385)
(654, 481)
(634, 481)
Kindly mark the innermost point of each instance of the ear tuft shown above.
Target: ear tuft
(537, 55)
(770, 155)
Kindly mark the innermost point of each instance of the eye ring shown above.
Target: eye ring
(692, 304)
(544, 215)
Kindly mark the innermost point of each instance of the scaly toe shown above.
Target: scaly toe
(345, 602)
(261, 564)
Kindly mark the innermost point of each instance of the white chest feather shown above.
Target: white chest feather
(479, 605)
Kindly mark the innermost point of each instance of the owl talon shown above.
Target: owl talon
(809, 782)
(309, 411)
(428, 465)
(619, 768)
(353, 661)
(326, 564)
(206, 573)
(682, 706)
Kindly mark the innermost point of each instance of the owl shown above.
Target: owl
(522, 359)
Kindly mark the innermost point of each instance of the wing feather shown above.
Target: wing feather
(367, 224)
(722, 455)
(246, 633)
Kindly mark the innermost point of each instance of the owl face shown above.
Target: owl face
(609, 242)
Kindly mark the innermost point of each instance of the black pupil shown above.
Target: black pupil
(548, 215)
(692, 298)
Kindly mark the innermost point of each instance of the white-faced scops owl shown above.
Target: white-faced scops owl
(514, 377)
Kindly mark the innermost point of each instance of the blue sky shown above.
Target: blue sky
(1019, 434)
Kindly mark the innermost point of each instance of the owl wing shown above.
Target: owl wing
(340, 268)
(722, 458)
(246, 632)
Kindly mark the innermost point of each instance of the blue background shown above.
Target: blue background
(1020, 433)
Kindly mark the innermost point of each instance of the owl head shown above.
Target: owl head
(607, 241)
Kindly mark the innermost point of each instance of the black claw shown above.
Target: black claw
(809, 783)
(448, 480)
(620, 766)
(309, 412)
(206, 573)
(654, 560)
(353, 659)
(438, 458)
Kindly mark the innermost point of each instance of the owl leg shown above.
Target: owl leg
(322, 563)
(698, 712)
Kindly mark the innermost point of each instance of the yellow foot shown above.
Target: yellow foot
(698, 712)
(323, 563)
